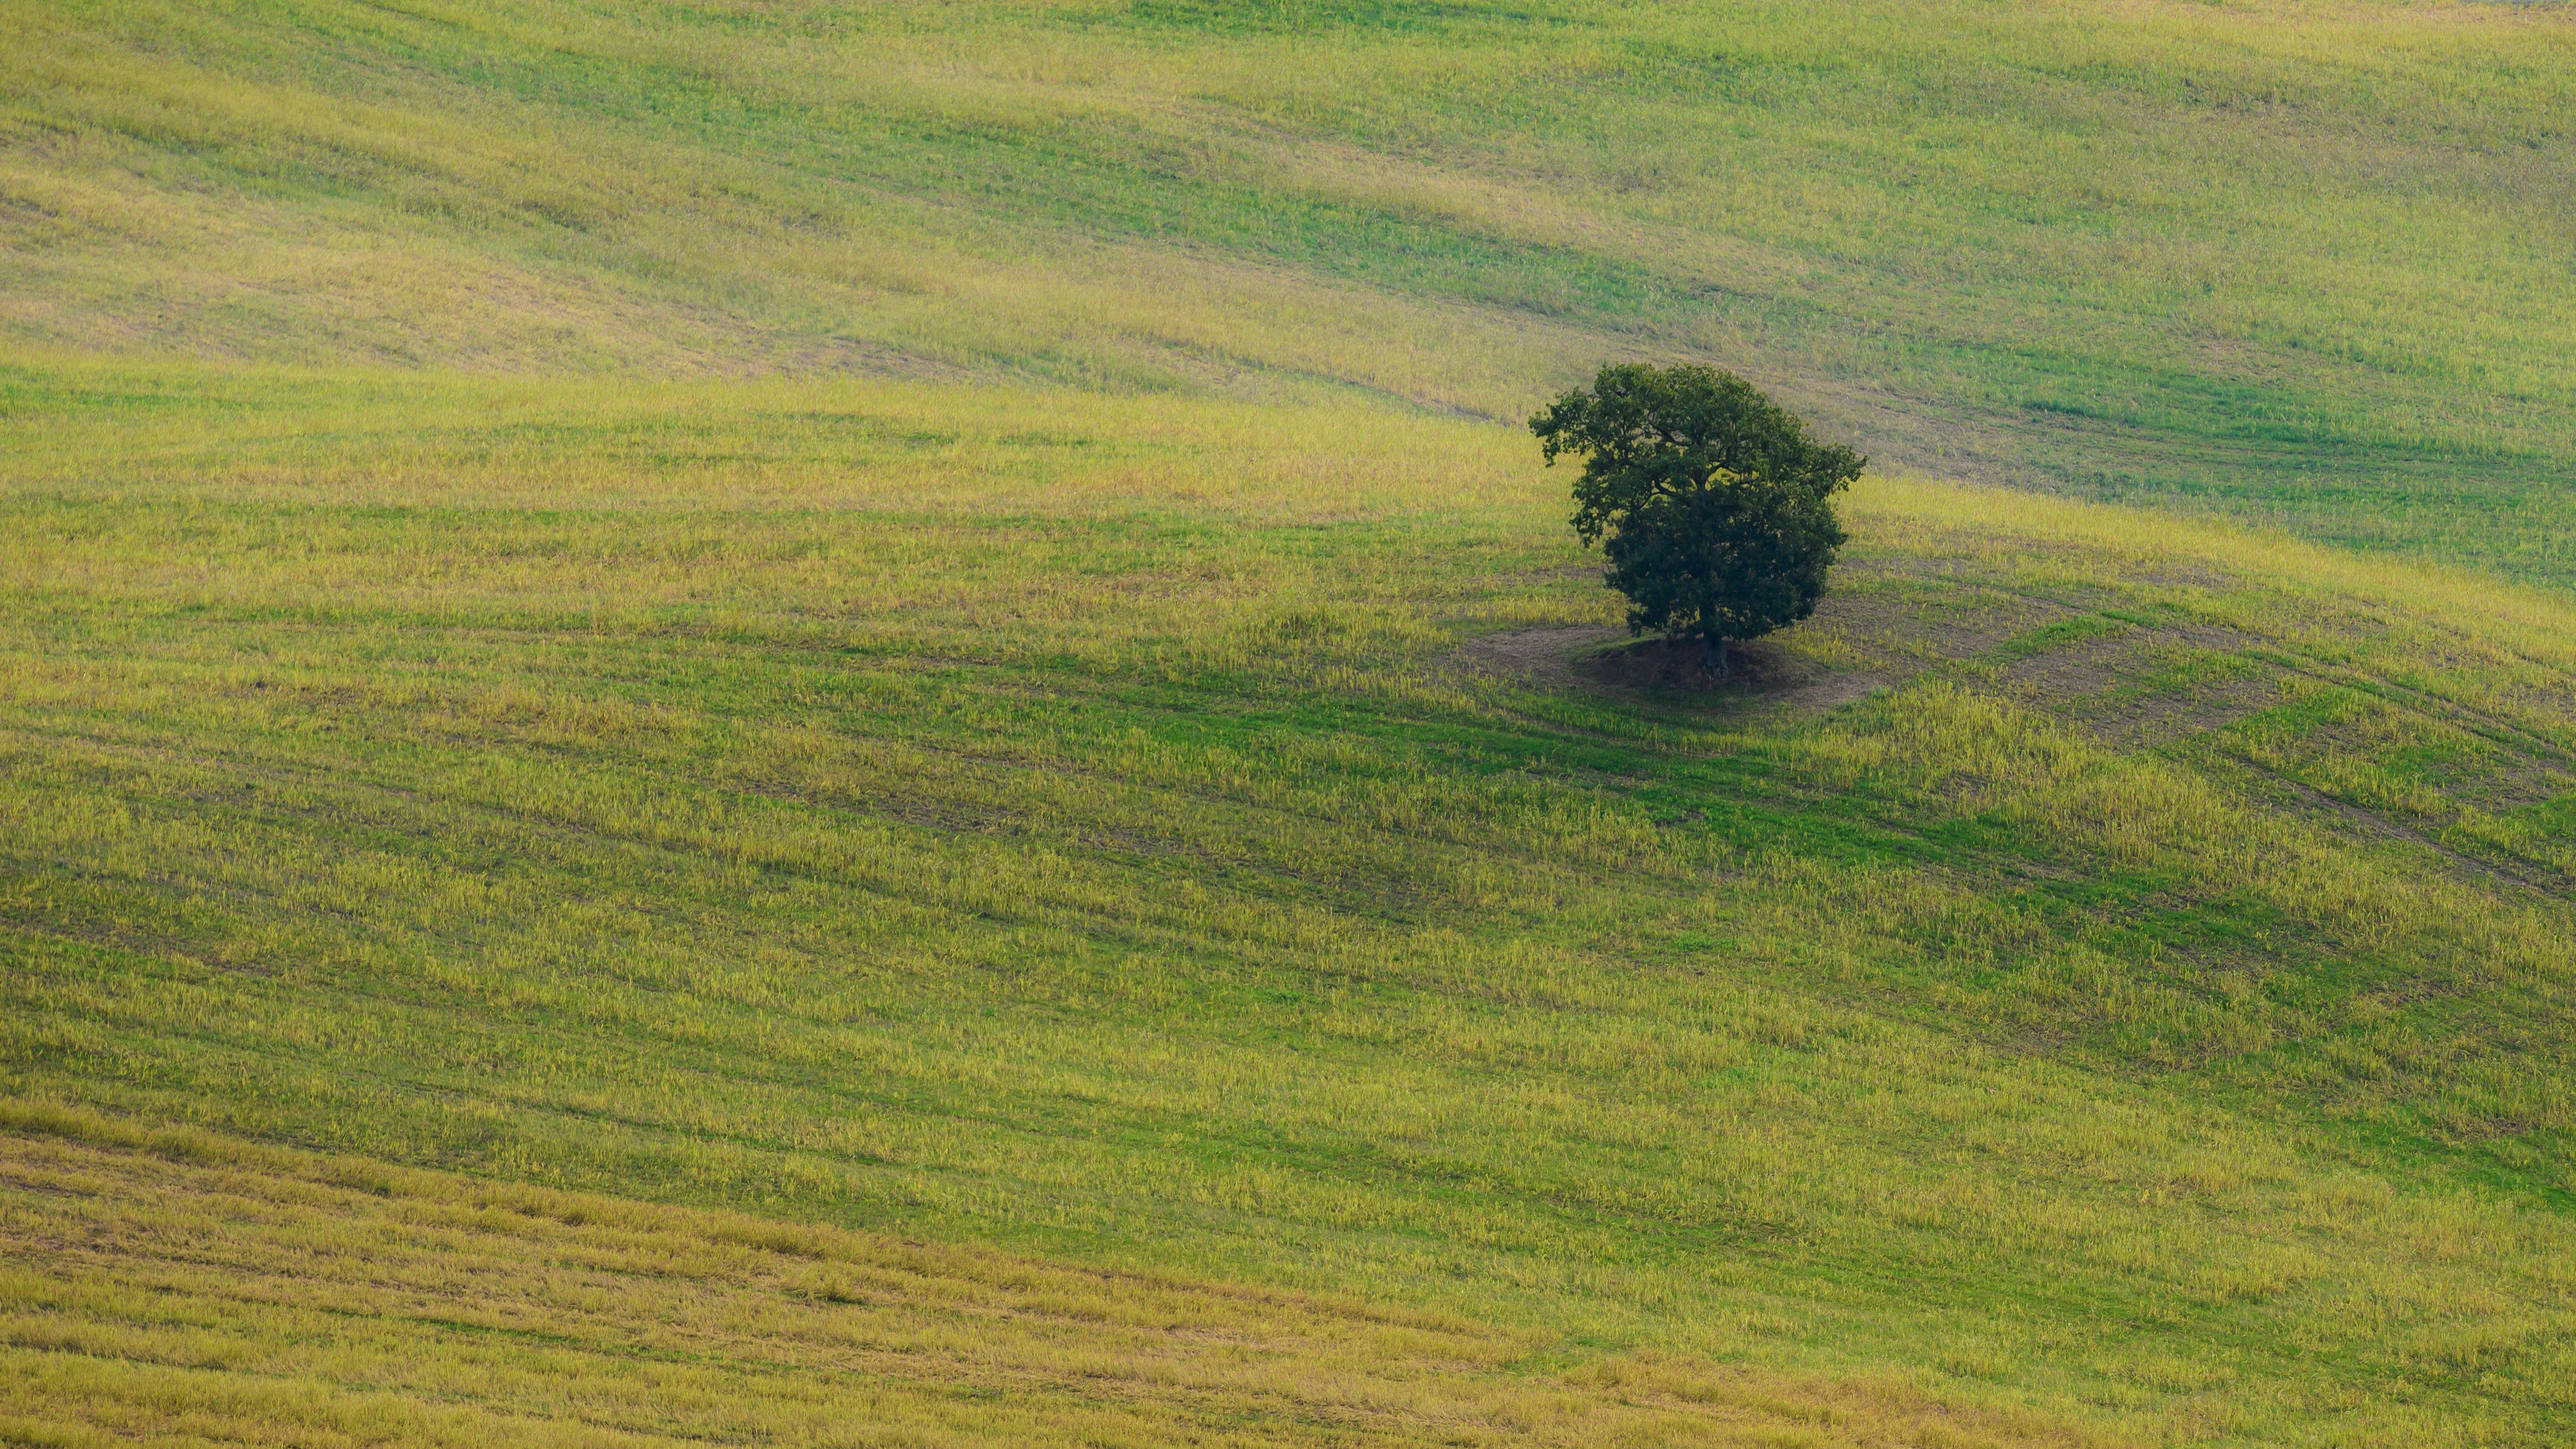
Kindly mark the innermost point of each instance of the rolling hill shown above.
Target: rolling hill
(826, 724)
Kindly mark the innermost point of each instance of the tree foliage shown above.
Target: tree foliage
(1711, 503)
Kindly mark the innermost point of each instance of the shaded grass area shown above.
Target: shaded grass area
(1085, 825)
(2302, 264)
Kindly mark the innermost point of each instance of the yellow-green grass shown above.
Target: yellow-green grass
(2303, 261)
(183, 1288)
(2120, 983)
(1045, 864)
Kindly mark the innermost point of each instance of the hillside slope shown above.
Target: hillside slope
(2115, 972)
(2306, 262)
(816, 723)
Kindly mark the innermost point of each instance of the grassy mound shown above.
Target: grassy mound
(2122, 985)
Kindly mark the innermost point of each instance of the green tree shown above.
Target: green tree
(1712, 505)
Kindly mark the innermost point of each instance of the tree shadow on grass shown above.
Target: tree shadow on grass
(1608, 662)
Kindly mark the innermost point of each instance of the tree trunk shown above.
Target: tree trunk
(1714, 660)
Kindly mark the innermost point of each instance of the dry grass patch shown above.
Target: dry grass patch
(188, 1288)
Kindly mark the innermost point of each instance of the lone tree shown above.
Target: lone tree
(1713, 506)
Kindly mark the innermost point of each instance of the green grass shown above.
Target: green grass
(2302, 263)
(1092, 827)
(861, 725)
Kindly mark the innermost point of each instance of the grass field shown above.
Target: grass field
(2303, 262)
(1108, 830)
(859, 725)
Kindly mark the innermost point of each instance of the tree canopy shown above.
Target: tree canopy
(1711, 503)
